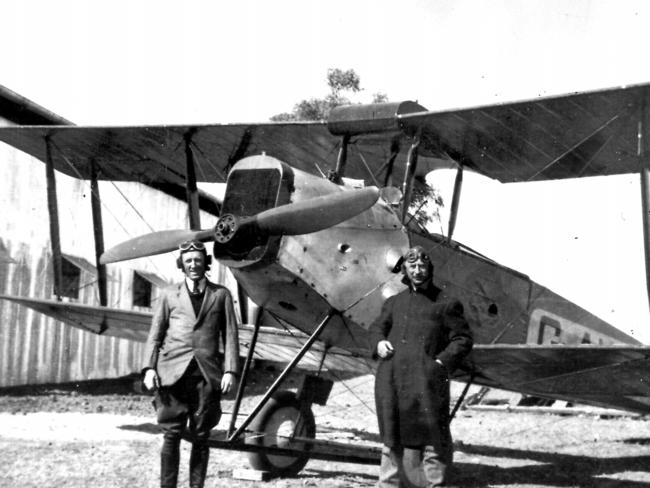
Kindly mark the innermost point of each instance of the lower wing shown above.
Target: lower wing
(605, 376)
(276, 345)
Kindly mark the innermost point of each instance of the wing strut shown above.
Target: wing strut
(409, 176)
(461, 398)
(53, 212)
(645, 205)
(455, 201)
(645, 190)
(192, 190)
(341, 160)
(98, 230)
(394, 151)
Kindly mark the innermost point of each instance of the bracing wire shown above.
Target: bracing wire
(80, 177)
(137, 212)
(103, 203)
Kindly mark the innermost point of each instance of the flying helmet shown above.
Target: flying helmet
(414, 254)
(193, 245)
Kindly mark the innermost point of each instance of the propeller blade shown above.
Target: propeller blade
(152, 244)
(317, 213)
(292, 219)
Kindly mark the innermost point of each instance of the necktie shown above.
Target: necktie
(195, 287)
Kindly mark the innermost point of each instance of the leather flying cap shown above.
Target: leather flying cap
(193, 245)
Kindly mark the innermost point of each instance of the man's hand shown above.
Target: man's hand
(151, 380)
(384, 349)
(227, 382)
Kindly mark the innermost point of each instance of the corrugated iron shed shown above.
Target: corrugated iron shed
(34, 348)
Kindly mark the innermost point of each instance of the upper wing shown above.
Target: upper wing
(605, 376)
(274, 345)
(156, 155)
(582, 134)
(569, 136)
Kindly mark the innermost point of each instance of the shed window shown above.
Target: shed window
(72, 268)
(141, 290)
(143, 287)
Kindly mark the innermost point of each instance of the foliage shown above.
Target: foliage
(426, 203)
(379, 98)
(339, 82)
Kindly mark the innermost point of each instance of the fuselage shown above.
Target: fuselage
(349, 268)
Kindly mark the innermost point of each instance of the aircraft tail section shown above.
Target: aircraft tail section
(555, 320)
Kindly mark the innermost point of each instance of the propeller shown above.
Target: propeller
(303, 217)
(316, 214)
(153, 243)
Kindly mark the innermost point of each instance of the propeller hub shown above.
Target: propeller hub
(226, 228)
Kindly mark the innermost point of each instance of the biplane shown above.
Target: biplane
(313, 222)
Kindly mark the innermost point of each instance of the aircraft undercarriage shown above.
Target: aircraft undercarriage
(280, 432)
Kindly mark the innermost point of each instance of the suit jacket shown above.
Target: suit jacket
(177, 335)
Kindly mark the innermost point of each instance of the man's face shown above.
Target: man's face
(193, 264)
(417, 271)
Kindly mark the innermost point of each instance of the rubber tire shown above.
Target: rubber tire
(278, 415)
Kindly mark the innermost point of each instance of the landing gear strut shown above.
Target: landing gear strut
(282, 418)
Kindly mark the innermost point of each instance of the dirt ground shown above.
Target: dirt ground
(102, 434)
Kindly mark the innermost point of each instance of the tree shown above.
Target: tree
(425, 201)
(379, 98)
(339, 82)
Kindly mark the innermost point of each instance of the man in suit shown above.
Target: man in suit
(421, 336)
(183, 363)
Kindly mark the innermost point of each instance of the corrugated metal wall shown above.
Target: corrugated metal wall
(36, 349)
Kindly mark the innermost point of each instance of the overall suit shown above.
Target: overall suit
(183, 348)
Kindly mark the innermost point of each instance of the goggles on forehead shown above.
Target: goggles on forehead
(191, 246)
(414, 254)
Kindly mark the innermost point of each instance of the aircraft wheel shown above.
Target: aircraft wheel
(278, 420)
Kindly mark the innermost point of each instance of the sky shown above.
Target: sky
(161, 62)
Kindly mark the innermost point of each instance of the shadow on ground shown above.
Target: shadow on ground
(125, 385)
(557, 470)
(259, 380)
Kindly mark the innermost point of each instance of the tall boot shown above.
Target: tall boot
(199, 457)
(169, 460)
